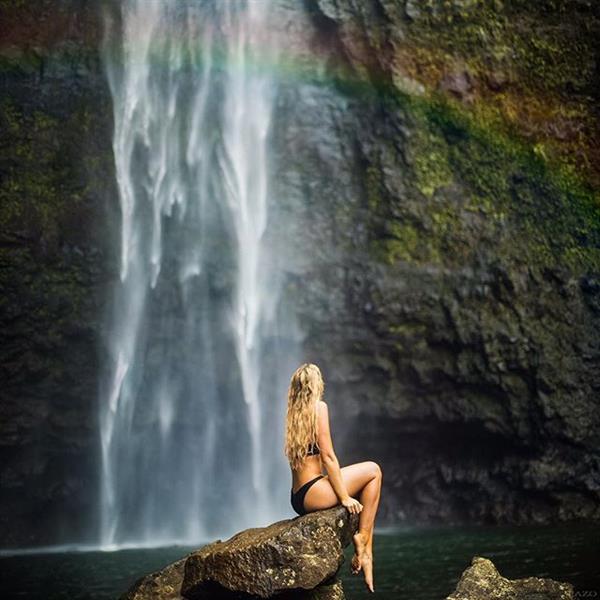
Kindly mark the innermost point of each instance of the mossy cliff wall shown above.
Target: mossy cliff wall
(441, 160)
(55, 261)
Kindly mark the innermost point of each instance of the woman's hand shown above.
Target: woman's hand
(352, 504)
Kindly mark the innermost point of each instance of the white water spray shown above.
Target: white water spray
(189, 444)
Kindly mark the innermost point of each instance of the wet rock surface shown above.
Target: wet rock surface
(481, 581)
(296, 558)
(56, 261)
(160, 585)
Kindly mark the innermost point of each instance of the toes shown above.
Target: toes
(368, 571)
(356, 564)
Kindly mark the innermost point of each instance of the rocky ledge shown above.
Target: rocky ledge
(296, 558)
(481, 581)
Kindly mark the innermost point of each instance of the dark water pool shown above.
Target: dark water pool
(415, 564)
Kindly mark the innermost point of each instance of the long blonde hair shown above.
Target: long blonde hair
(305, 390)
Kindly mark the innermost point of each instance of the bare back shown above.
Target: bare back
(312, 465)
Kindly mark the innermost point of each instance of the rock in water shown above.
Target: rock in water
(295, 559)
(162, 585)
(481, 581)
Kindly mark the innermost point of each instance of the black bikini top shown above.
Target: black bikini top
(312, 450)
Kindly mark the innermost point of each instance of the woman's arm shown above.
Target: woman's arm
(328, 456)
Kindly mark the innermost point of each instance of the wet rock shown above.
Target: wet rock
(497, 80)
(57, 169)
(481, 581)
(160, 585)
(293, 556)
(458, 84)
(294, 559)
(412, 9)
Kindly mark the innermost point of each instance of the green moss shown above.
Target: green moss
(408, 337)
(438, 244)
(549, 207)
(547, 54)
(534, 38)
(373, 188)
(408, 329)
(404, 242)
(12, 4)
(527, 205)
(33, 195)
(530, 208)
(431, 166)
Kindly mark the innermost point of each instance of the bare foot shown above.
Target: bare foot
(363, 558)
(366, 561)
(361, 544)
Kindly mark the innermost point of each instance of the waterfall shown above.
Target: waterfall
(192, 399)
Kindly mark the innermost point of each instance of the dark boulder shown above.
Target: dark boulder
(481, 581)
(293, 555)
(295, 558)
(160, 585)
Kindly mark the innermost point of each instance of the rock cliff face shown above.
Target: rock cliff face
(56, 178)
(435, 166)
(450, 287)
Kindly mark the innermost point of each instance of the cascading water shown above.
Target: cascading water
(195, 316)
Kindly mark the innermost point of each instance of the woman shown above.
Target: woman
(308, 448)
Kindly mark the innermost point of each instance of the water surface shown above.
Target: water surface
(416, 563)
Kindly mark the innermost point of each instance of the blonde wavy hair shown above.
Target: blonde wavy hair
(305, 390)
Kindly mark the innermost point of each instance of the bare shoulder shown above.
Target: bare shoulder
(322, 407)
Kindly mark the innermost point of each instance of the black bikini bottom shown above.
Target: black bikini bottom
(297, 498)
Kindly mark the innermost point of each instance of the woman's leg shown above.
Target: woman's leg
(362, 480)
(369, 498)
